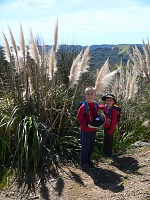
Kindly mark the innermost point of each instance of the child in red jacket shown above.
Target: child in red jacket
(87, 133)
(110, 123)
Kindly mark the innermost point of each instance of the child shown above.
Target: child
(109, 124)
(87, 134)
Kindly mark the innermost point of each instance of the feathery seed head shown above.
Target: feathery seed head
(7, 51)
(146, 123)
(15, 49)
(75, 71)
(52, 64)
(56, 37)
(33, 50)
(84, 61)
(22, 43)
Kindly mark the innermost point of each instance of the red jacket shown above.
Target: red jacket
(111, 121)
(85, 118)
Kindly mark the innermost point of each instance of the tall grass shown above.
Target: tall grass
(131, 89)
(38, 125)
(39, 119)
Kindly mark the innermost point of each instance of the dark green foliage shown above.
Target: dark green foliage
(64, 149)
(98, 149)
(65, 57)
(5, 177)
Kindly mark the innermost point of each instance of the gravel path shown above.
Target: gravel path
(122, 177)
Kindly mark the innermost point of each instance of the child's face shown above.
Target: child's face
(90, 95)
(109, 102)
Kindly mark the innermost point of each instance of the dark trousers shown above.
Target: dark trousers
(108, 142)
(87, 146)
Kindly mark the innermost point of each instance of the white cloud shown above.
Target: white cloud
(84, 21)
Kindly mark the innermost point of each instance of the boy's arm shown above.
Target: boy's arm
(113, 122)
(101, 107)
(80, 114)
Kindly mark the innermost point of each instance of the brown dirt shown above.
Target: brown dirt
(122, 177)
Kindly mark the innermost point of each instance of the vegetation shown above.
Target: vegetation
(39, 95)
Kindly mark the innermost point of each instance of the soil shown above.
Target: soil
(121, 177)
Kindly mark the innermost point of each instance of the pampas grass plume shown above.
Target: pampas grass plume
(56, 37)
(133, 88)
(100, 83)
(136, 66)
(128, 87)
(34, 52)
(15, 49)
(146, 123)
(75, 71)
(52, 64)
(7, 50)
(104, 78)
(121, 73)
(22, 43)
(84, 61)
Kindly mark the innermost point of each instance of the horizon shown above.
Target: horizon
(85, 45)
(79, 22)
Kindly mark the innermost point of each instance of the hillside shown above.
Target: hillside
(100, 53)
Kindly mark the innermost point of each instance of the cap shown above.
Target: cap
(109, 96)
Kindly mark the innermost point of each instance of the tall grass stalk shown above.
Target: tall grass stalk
(52, 70)
(34, 52)
(141, 62)
(100, 83)
(7, 52)
(135, 65)
(15, 49)
(75, 73)
(133, 87)
(121, 75)
(24, 66)
(84, 66)
(147, 61)
(104, 78)
(56, 36)
(9, 58)
(128, 87)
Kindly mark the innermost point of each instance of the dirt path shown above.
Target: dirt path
(123, 177)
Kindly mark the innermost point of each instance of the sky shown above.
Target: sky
(80, 22)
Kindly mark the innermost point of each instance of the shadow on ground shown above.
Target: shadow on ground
(126, 164)
(103, 178)
(33, 181)
(106, 179)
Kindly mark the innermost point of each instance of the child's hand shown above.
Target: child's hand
(99, 112)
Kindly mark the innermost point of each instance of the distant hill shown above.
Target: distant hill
(115, 53)
(100, 53)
